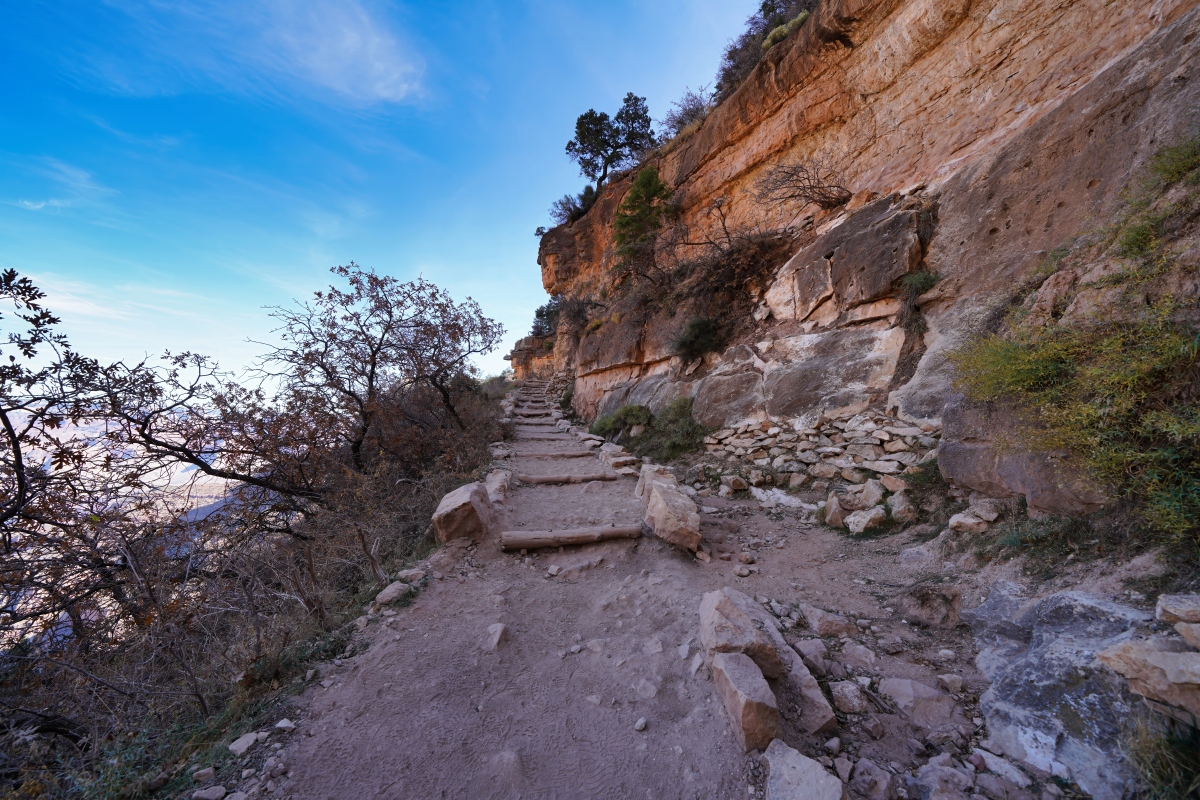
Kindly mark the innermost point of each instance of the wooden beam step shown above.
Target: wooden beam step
(601, 476)
(531, 540)
(580, 454)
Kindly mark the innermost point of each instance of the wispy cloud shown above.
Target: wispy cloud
(341, 47)
(343, 51)
(76, 181)
(75, 186)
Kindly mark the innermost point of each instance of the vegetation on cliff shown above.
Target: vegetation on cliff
(744, 52)
(1109, 370)
(603, 143)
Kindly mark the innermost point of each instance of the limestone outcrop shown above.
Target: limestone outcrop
(1052, 706)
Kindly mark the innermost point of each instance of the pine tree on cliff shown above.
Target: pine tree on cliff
(603, 143)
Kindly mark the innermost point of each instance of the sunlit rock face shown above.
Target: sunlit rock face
(976, 137)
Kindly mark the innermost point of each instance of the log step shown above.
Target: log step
(531, 540)
(582, 454)
(605, 476)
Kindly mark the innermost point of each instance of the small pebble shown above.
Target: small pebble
(640, 725)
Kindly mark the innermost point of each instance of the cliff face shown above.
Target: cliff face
(987, 131)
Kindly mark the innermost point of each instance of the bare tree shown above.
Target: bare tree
(167, 532)
(815, 180)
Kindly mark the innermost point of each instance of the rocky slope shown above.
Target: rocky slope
(977, 136)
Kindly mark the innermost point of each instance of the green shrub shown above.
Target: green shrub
(673, 433)
(1140, 238)
(700, 337)
(918, 283)
(1173, 164)
(670, 434)
(639, 220)
(620, 421)
(1123, 398)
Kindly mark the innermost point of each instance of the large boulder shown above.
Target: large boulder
(972, 454)
(1166, 670)
(464, 513)
(673, 516)
(1052, 705)
(793, 776)
(748, 700)
(730, 622)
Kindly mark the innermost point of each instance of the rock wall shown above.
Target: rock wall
(532, 357)
(990, 131)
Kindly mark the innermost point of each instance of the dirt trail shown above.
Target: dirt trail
(428, 711)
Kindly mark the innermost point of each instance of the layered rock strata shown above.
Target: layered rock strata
(990, 132)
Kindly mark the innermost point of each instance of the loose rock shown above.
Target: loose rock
(865, 520)
(925, 706)
(748, 700)
(872, 781)
(496, 634)
(243, 743)
(824, 623)
(797, 777)
(464, 513)
(392, 592)
(1178, 608)
(849, 697)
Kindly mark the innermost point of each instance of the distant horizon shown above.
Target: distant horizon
(170, 172)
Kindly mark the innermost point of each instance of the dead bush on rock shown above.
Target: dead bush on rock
(815, 180)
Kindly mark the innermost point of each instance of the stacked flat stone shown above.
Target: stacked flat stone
(873, 441)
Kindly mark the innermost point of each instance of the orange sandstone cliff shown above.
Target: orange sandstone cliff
(976, 135)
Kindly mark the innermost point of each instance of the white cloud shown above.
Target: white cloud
(340, 47)
(345, 51)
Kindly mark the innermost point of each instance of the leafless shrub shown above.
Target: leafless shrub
(175, 542)
(688, 110)
(815, 180)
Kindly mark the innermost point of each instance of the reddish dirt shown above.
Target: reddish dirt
(427, 711)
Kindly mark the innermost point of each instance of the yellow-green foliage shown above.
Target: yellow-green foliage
(1124, 398)
(780, 33)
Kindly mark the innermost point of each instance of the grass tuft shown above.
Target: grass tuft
(1167, 758)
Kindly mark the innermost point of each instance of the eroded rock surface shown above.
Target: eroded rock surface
(1051, 704)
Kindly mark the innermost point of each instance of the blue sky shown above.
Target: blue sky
(169, 167)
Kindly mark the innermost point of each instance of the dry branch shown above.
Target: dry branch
(812, 181)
